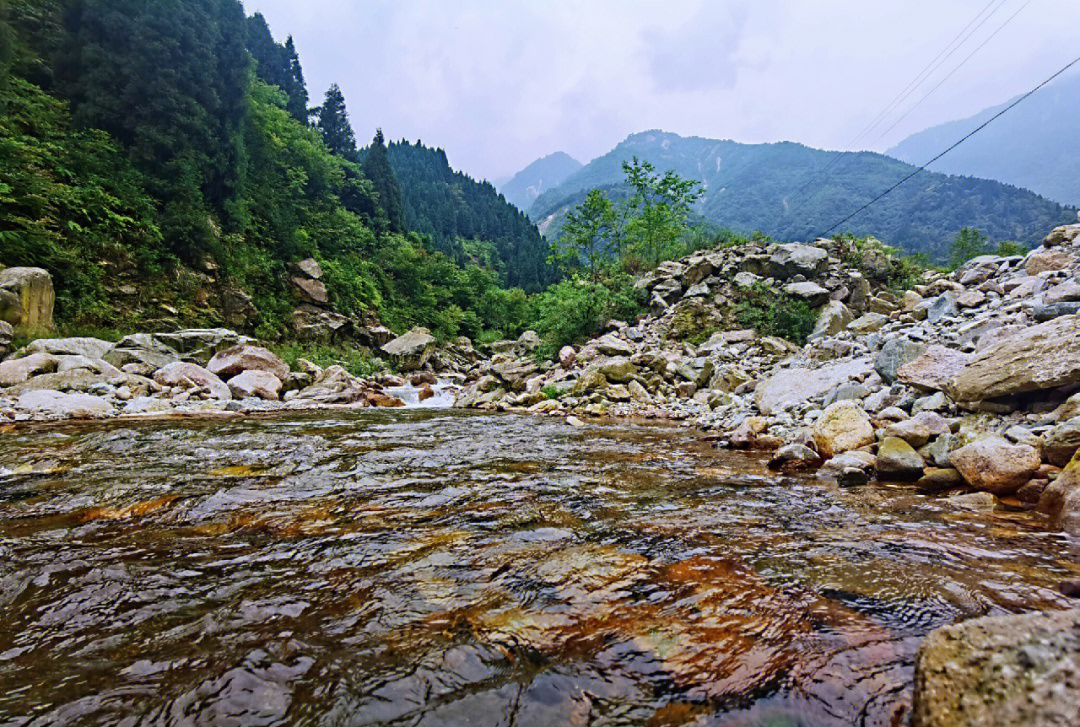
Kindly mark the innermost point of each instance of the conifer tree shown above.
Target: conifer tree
(296, 87)
(333, 124)
(378, 170)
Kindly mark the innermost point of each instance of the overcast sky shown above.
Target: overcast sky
(500, 83)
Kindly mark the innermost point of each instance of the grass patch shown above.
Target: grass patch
(357, 361)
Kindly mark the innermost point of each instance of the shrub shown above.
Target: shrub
(575, 309)
(357, 361)
(775, 313)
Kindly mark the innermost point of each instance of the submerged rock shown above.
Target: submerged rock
(1000, 671)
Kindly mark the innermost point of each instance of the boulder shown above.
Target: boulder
(868, 323)
(92, 348)
(841, 427)
(151, 351)
(746, 434)
(311, 291)
(237, 308)
(27, 299)
(794, 458)
(1062, 235)
(1049, 312)
(833, 317)
(529, 341)
(896, 459)
(995, 465)
(1040, 357)
(1000, 671)
(334, 385)
(567, 356)
(82, 363)
(1061, 442)
(1040, 262)
(609, 345)
(7, 334)
(793, 386)
(308, 268)
(183, 374)
(942, 307)
(255, 383)
(18, 370)
(808, 291)
(618, 370)
(939, 479)
(67, 406)
(412, 350)
(590, 380)
(233, 361)
(796, 259)
(895, 353)
(919, 429)
(316, 325)
(933, 369)
(515, 372)
(1064, 292)
(970, 299)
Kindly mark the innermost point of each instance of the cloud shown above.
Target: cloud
(499, 84)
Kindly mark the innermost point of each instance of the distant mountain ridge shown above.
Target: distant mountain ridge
(1034, 146)
(546, 173)
(779, 189)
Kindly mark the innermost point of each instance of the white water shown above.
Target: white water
(443, 399)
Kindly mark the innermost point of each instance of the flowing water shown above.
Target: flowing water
(439, 567)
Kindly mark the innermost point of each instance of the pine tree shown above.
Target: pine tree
(295, 85)
(378, 170)
(333, 124)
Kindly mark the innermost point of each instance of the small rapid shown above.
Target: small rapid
(431, 566)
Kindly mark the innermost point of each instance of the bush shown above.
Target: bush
(575, 309)
(775, 313)
(358, 362)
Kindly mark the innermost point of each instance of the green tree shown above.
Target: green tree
(278, 65)
(332, 120)
(657, 211)
(381, 175)
(968, 244)
(589, 236)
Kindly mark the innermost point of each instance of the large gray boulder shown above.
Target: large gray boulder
(841, 427)
(833, 317)
(189, 375)
(412, 350)
(796, 258)
(255, 383)
(1045, 356)
(895, 353)
(67, 406)
(92, 348)
(150, 351)
(933, 369)
(1000, 671)
(27, 299)
(234, 361)
(317, 325)
(18, 370)
(794, 386)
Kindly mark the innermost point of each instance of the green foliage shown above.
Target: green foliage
(657, 211)
(883, 263)
(69, 202)
(1008, 248)
(380, 173)
(967, 244)
(577, 308)
(778, 189)
(357, 361)
(552, 393)
(278, 65)
(775, 313)
(447, 207)
(332, 121)
(591, 236)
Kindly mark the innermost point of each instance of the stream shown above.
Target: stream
(430, 566)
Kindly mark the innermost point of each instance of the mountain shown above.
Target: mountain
(532, 181)
(784, 191)
(454, 209)
(1029, 146)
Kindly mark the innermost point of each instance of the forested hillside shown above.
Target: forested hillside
(781, 190)
(466, 219)
(157, 158)
(546, 173)
(1023, 147)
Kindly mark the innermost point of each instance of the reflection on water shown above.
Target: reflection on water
(435, 567)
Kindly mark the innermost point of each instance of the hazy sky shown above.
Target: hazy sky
(499, 83)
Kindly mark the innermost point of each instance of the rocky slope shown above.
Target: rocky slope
(965, 384)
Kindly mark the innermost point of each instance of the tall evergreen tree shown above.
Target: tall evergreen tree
(169, 80)
(333, 124)
(378, 170)
(296, 87)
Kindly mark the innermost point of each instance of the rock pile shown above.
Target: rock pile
(969, 380)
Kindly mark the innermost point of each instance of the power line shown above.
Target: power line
(982, 126)
(943, 56)
(950, 74)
